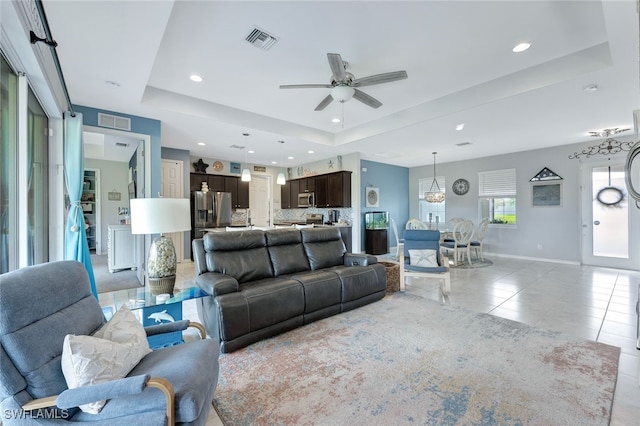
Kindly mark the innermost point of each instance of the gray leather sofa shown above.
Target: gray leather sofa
(264, 283)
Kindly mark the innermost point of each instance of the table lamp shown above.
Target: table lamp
(160, 216)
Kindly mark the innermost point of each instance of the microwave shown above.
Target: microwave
(306, 199)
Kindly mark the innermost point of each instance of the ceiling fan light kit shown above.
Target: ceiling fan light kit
(344, 85)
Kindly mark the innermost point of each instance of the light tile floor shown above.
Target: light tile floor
(588, 302)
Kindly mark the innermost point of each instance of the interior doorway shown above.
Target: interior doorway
(608, 221)
(110, 145)
(260, 201)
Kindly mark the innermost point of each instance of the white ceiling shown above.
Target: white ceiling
(457, 54)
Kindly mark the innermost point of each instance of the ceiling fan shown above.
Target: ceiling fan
(344, 85)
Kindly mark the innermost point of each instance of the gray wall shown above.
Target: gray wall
(556, 229)
(114, 175)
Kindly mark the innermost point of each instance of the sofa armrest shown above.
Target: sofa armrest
(169, 327)
(356, 259)
(216, 284)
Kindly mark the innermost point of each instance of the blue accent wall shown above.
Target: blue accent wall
(393, 183)
(141, 125)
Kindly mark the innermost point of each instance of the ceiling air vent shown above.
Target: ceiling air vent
(260, 38)
(114, 122)
(463, 143)
(234, 146)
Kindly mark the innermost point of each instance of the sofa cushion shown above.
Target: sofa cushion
(286, 251)
(242, 255)
(257, 305)
(321, 289)
(361, 281)
(323, 246)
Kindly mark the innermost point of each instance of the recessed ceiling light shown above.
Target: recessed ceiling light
(274, 162)
(196, 78)
(112, 83)
(311, 152)
(251, 151)
(289, 158)
(521, 47)
(590, 88)
(201, 143)
(459, 126)
(335, 120)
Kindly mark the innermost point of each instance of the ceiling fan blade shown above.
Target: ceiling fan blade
(337, 66)
(379, 78)
(366, 99)
(326, 101)
(306, 86)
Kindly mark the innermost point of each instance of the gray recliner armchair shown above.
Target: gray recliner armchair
(41, 304)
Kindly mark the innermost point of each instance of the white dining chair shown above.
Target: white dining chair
(462, 235)
(416, 224)
(480, 234)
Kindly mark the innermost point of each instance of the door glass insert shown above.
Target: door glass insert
(610, 224)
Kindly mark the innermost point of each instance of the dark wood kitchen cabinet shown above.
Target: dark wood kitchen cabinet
(333, 190)
(285, 195)
(220, 183)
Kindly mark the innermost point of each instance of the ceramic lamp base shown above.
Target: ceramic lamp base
(161, 265)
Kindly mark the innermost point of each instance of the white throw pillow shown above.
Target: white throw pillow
(425, 258)
(110, 354)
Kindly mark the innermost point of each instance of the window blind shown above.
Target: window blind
(497, 183)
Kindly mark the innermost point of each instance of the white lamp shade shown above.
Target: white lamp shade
(160, 215)
(342, 93)
(280, 180)
(246, 175)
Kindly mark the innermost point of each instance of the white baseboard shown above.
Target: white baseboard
(537, 259)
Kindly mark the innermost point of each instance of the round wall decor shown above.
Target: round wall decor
(218, 166)
(460, 186)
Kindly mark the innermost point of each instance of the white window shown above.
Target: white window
(497, 192)
(436, 210)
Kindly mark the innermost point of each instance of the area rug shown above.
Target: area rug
(107, 281)
(406, 359)
(475, 263)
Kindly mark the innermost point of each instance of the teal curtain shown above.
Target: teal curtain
(75, 235)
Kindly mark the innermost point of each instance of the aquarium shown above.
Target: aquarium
(376, 220)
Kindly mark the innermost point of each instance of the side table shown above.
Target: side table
(150, 310)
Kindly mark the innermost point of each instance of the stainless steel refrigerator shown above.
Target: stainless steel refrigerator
(210, 210)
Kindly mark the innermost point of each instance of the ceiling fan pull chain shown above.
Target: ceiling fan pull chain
(342, 102)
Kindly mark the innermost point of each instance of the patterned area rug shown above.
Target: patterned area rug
(475, 263)
(406, 359)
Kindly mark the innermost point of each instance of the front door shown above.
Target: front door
(610, 221)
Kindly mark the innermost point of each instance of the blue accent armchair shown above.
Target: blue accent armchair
(41, 304)
(422, 239)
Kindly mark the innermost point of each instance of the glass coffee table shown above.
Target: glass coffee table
(151, 309)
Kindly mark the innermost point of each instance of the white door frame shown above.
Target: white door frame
(143, 242)
(587, 258)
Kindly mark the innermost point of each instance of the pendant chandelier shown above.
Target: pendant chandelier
(281, 180)
(435, 194)
(246, 173)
